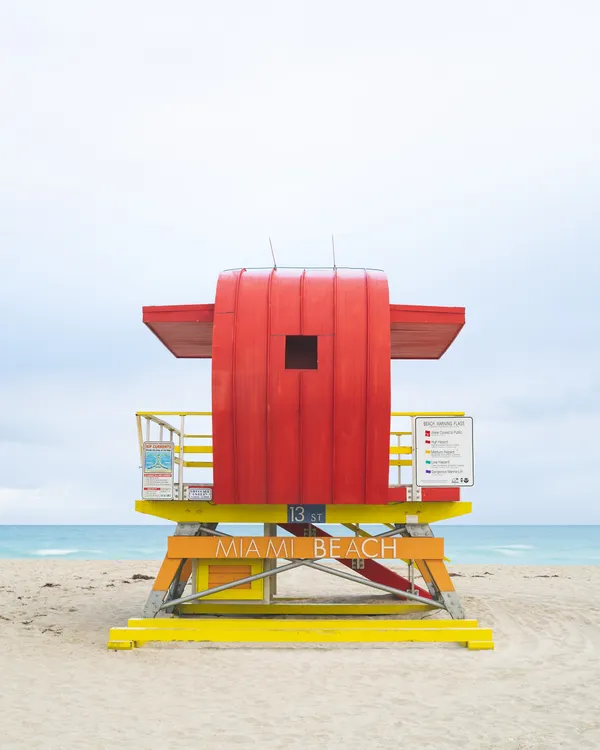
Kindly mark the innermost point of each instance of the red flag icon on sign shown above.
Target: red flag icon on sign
(427, 433)
(428, 442)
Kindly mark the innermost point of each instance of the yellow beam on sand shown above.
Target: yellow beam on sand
(191, 511)
(219, 630)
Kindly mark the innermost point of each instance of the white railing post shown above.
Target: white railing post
(138, 419)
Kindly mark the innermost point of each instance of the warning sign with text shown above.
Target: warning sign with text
(157, 481)
(443, 448)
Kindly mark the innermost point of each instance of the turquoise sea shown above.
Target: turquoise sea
(517, 545)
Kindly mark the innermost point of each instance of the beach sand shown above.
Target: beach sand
(61, 688)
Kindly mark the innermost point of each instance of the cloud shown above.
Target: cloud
(144, 149)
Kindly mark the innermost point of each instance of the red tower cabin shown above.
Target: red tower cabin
(301, 381)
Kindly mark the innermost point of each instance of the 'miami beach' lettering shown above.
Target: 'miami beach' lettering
(305, 548)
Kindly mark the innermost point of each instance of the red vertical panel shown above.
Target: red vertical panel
(283, 394)
(222, 388)
(250, 388)
(378, 389)
(316, 417)
(349, 386)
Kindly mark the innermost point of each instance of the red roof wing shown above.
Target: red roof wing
(423, 332)
(417, 332)
(186, 330)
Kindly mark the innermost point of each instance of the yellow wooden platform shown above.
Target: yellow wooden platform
(241, 630)
(192, 511)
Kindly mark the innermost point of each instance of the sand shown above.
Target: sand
(61, 688)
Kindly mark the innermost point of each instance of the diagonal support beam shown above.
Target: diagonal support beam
(372, 570)
(174, 573)
(435, 574)
(233, 584)
(373, 585)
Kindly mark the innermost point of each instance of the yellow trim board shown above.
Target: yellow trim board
(301, 608)
(194, 449)
(428, 414)
(206, 623)
(175, 414)
(190, 511)
(209, 413)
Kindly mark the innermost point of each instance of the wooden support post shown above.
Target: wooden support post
(162, 584)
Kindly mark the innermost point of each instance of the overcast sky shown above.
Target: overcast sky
(145, 146)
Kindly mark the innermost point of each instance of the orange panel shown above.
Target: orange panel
(440, 575)
(428, 548)
(166, 574)
(220, 574)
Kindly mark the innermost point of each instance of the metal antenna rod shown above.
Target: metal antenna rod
(273, 254)
(333, 250)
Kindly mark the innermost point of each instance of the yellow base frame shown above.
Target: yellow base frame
(222, 630)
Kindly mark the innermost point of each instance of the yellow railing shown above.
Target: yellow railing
(178, 435)
(400, 449)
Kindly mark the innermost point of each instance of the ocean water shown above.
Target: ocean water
(517, 545)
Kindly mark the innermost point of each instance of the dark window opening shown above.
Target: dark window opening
(300, 352)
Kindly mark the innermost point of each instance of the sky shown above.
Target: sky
(146, 146)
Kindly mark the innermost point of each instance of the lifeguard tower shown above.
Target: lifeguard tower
(301, 436)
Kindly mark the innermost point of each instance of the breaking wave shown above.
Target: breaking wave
(60, 552)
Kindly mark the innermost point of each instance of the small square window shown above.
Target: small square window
(300, 352)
